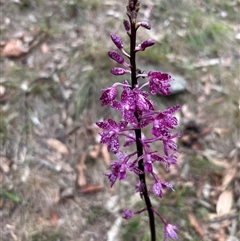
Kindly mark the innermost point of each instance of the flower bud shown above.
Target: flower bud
(127, 213)
(126, 25)
(117, 40)
(144, 24)
(147, 43)
(116, 56)
(119, 71)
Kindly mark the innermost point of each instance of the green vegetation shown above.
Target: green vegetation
(10, 195)
(96, 213)
(48, 237)
(206, 35)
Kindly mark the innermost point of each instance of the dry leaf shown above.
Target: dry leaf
(218, 101)
(58, 146)
(194, 222)
(91, 188)
(43, 221)
(207, 62)
(57, 196)
(228, 177)
(5, 94)
(207, 88)
(219, 162)
(2, 91)
(224, 202)
(81, 167)
(14, 236)
(186, 112)
(222, 235)
(14, 48)
(95, 151)
(214, 217)
(44, 48)
(220, 131)
(54, 218)
(5, 164)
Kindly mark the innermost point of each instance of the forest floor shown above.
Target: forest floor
(54, 63)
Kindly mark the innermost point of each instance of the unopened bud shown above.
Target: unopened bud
(126, 25)
(147, 43)
(144, 24)
(119, 71)
(117, 40)
(116, 56)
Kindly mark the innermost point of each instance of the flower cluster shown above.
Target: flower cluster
(137, 112)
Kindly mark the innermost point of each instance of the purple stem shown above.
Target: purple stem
(138, 133)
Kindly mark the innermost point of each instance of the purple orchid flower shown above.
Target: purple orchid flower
(138, 112)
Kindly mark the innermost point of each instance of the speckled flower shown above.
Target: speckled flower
(142, 101)
(159, 82)
(111, 129)
(149, 158)
(119, 167)
(137, 111)
(159, 185)
(108, 95)
(127, 106)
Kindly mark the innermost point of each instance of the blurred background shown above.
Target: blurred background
(53, 64)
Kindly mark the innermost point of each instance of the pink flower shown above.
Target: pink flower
(169, 231)
(127, 213)
(111, 129)
(158, 187)
(159, 82)
(150, 157)
(127, 105)
(137, 112)
(139, 186)
(119, 167)
(108, 95)
(171, 160)
(142, 101)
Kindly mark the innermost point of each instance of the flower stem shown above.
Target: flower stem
(138, 134)
(143, 181)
